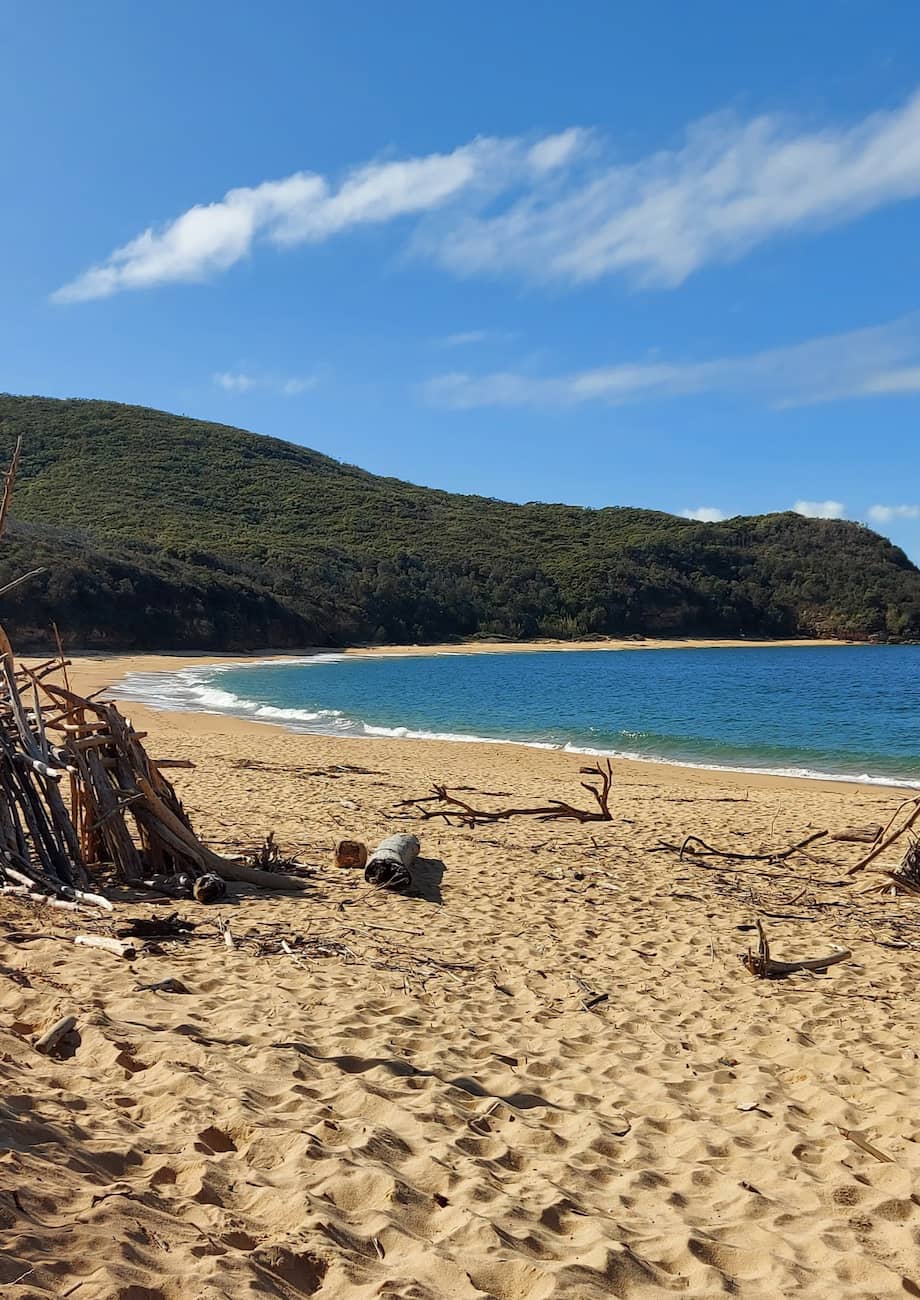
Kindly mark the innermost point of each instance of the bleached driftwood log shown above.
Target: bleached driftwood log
(390, 865)
(50, 1039)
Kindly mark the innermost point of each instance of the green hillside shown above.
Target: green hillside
(160, 531)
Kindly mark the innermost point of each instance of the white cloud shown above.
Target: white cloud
(893, 383)
(557, 207)
(467, 338)
(705, 514)
(820, 509)
(302, 208)
(234, 382)
(885, 514)
(241, 382)
(817, 370)
(729, 186)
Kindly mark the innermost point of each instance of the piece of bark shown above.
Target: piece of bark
(351, 854)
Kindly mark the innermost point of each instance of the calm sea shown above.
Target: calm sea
(845, 711)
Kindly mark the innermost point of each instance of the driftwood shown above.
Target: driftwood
(390, 865)
(126, 950)
(51, 1038)
(555, 810)
(889, 836)
(905, 880)
(707, 851)
(766, 967)
(867, 834)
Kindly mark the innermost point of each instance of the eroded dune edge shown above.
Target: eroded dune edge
(428, 1099)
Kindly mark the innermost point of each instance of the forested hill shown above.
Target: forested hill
(164, 532)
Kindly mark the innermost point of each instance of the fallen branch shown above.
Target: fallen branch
(555, 810)
(775, 855)
(766, 967)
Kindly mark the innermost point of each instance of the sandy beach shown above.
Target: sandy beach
(544, 1074)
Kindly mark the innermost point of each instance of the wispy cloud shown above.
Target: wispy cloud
(239, 381)
(820, 509)
(705, 514)
(887, 514)
(468, 338)
(817, 370)
(306, 208)
(234, 381)
(556, 208)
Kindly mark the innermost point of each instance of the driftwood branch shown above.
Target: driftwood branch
(766, 967)
(555, 810)
(707, 851)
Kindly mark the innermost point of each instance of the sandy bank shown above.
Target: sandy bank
(545, 1074)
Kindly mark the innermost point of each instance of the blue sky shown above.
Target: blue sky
(660, 255)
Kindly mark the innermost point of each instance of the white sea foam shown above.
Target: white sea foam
(193, 690)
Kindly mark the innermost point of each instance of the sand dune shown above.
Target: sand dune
(429, 1100)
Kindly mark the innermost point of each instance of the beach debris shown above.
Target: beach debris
(766, 967)
(268, 857)
(52, 1038)
(892, 832)
(156, 927)
(390, 865)
(905, 880)
(867, 834)
(208, 888)
(556, 810)
(707, 851)
(73, 771)
(858, 1140)
(168, 985)
(115, 946)
(351, 854)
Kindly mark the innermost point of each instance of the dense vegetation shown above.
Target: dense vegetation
(160, 531)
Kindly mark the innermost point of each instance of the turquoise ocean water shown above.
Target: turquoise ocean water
(843, 711)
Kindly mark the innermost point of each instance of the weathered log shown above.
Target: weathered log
(867, 834)
(51, 1038)
(390, 865)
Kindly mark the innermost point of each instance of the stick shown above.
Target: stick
(8, 485)
(778, 856)
(51, 1037)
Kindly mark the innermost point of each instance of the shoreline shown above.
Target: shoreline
(109, 671)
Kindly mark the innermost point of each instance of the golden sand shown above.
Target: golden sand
(434, 1103)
